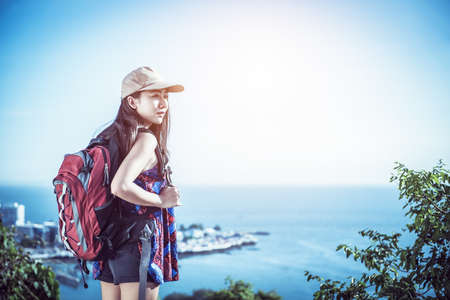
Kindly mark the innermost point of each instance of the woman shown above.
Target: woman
(142, 125)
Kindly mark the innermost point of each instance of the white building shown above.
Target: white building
(210, 231)
(12, 214)
(180, 236)
(193, 233)
(20, 215)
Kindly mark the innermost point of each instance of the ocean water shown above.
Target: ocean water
(306, 223)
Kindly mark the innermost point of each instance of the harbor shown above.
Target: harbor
(43, 241)
(197, 241)
(191, 242)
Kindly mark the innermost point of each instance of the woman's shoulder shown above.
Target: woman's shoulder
(146, 141)
(147, 135)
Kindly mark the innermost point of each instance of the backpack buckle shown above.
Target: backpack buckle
(168, 173)
(146, 233)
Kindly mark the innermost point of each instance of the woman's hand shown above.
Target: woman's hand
(170, 197)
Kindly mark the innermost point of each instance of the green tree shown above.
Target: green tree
(196, 226)
(241, 290)
(22, 277)
(238, 290)
(416, 270)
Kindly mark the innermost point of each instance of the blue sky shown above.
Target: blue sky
(292, 92)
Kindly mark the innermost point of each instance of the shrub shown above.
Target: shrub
(22, 277)
(414, 271)
(238, 290)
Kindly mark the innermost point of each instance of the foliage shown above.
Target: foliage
(410, 272)
(192, 226)
(236, 291)
(241, 290)
(196, 226)
(22, 277)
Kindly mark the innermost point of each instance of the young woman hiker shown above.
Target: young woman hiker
(140, 129)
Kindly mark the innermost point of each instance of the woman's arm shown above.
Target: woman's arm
(122, 184)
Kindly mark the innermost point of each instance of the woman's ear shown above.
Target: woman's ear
(132, 102)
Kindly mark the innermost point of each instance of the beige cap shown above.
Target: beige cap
(146, 78)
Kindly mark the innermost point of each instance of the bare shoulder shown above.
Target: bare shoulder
(140, 155)
(146, 141)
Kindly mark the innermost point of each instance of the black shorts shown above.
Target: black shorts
(125, 264)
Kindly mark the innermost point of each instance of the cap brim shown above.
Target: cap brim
(158, 85)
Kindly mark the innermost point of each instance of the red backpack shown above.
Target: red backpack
(85, 204)
(82, 190)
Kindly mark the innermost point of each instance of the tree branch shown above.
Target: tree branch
(439, 209)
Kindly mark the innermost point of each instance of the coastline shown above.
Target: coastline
(204, 241)
(65, 265)
(200, 242)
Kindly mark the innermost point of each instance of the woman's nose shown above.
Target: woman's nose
(163, 102)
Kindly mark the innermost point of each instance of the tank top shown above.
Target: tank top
(163, 265)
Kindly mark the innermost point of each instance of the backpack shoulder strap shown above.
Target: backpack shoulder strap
(96, 141)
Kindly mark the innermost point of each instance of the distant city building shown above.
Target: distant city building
(20, 215)
(12, 214)
(38, 231)
(50, 232)
(24, 231)
(193, 233)
(47, 232)
(210, 231)
(197, 233)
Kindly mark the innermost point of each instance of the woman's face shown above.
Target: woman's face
(152, 106)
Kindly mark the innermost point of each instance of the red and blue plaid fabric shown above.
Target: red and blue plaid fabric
(163, 264)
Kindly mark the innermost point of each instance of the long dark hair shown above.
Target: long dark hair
(125, 129)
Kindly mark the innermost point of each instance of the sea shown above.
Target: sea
(305, 225)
